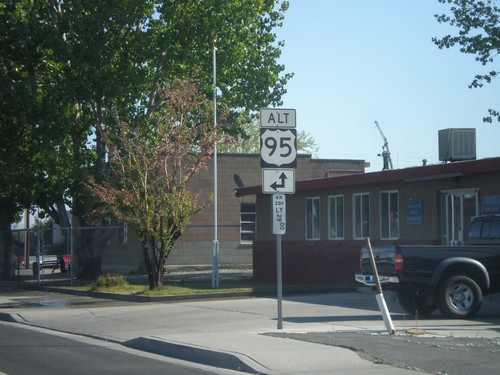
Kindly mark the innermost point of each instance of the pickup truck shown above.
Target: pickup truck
(453, 279)
(63, 262)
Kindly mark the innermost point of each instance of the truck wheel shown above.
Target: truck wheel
(414, 303)
(459, 297)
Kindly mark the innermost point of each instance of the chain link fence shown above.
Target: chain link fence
(45, 255)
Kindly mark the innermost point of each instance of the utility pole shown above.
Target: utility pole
(215, 249)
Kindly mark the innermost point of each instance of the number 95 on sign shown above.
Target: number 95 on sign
(278, 148)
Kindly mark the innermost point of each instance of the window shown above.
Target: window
(389, 215)
(336, 217)
(361, 215)
(312, 219)
(123, 234)
(247, 222)
(491, 229)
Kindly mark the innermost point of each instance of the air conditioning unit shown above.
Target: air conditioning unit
(457, 144)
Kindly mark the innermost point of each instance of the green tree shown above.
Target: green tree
(146, 184)
(70, 67)
(479, 34)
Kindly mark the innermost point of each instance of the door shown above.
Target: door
(460, 207)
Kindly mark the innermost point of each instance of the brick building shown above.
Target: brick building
(328, 219)
(236, 216)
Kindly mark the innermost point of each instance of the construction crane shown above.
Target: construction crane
(386, 154)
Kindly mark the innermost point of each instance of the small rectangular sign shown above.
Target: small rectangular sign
(278, 181)
(279, 214)
(277, 118)
(414, 213)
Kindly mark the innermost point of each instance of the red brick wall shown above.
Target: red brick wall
(308, 262)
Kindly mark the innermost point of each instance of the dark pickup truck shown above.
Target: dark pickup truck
(453, 279)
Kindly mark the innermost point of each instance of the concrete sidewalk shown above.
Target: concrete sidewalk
(226, 334)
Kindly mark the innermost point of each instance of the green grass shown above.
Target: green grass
(119, 285)
(113, 283)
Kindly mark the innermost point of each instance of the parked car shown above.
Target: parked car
(54, 261)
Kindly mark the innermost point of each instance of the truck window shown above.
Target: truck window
(475, 229)
(495, 229)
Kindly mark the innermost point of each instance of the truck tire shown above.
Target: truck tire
(413, 302)
(459, 297)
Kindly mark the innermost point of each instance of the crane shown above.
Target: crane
(386, 154)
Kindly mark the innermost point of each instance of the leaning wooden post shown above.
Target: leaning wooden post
(380, 296)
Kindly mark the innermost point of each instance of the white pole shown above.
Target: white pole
(386, 316)
(215, 248)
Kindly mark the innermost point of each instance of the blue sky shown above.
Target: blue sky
(360, 61)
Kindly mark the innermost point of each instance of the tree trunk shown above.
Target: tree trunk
(89, 247)
(147, 263)
(160, 270)
(155, 261)
(90, 269)
(7, 268)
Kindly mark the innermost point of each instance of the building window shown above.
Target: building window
(247, 222)
(361, 215)
(389, 215)
(336, 217)
(123, 234)
(312, 219)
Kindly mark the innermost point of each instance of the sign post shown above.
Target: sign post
(279, 228)
(278, 158)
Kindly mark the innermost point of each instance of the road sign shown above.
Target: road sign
(278, 148)
(277, 118)
(279, 214)
(278, 181)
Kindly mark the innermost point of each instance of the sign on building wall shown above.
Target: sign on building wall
(491, 204)
(414, 212)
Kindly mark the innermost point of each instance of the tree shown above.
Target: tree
(146, 184)
(479, 35)
(249, 141)
(73, 65)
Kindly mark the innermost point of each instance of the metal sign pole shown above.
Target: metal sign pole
(278, 158)
(279, 281)
(215, 248)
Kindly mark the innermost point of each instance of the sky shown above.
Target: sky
(360, 61)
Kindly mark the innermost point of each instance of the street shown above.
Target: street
(29, 351)
(343, 331)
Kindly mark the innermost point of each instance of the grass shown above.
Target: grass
(118, 284)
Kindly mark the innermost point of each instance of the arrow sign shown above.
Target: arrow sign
(278, 181)
(275, 185)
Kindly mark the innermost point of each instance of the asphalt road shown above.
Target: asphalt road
(435, 355)
(345, 320)
(30, 351)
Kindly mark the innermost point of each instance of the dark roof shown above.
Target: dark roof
(411, 174)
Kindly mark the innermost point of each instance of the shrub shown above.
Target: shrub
(110, 280)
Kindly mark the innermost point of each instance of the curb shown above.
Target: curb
(197, 354)
(196, 296)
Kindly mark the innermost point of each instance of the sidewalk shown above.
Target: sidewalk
(236, 333)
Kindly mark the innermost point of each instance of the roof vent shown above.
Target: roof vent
(457, 144)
